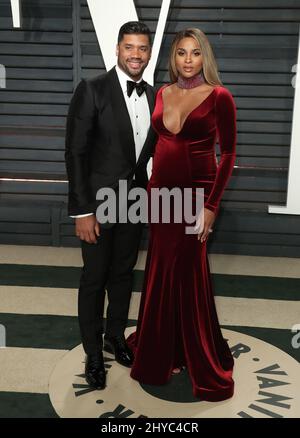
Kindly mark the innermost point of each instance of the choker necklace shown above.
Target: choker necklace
(192, 82)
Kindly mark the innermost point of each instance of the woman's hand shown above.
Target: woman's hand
(209, 218)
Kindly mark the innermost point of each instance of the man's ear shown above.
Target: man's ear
(117, 50)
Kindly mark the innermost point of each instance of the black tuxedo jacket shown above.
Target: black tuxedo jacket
(100, 147)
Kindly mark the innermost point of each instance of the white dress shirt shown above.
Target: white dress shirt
(138, 110)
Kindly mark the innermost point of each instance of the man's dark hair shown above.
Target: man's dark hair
(134, 27)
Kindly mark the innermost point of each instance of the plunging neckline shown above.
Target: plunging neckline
(189, 114)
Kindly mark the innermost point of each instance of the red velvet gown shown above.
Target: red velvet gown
(178, 324)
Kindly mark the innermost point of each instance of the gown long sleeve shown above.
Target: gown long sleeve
(226, 131)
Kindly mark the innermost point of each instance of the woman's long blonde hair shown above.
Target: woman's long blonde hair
(210, 68)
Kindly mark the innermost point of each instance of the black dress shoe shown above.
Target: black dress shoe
(95, 373)
(117, 346)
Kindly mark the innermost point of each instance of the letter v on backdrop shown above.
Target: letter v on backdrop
(108, 17)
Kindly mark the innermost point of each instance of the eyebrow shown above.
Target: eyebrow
(181, 48)
(131, 45)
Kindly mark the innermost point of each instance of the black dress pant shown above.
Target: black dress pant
(108, 264)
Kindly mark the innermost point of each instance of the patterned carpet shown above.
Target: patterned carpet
(258, 299)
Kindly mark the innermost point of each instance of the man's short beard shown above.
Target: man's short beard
(131, 73)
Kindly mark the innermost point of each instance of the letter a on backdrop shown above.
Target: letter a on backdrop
(293, 189)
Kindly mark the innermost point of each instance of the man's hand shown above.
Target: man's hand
(87, 228)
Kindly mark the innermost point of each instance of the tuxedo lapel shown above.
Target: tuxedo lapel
(151, 100)
(121, 117)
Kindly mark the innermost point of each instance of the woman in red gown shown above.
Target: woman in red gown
(178, 325)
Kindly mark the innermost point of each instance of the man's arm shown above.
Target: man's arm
(79, 134)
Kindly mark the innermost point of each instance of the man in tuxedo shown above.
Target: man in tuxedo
(109, 138)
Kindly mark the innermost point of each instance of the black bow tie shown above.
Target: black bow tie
(140, 87)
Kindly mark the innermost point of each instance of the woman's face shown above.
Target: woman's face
(188, 58)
